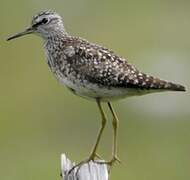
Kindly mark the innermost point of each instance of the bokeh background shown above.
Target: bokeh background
(39, 119)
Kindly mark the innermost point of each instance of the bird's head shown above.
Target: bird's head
(45, 24)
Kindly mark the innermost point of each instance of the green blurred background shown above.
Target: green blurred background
(39, 119)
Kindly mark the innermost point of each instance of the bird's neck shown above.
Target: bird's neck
(56, 37)
(54, 45)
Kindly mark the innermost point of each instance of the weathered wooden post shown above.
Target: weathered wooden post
(88, 171)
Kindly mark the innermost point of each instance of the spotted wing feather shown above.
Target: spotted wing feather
(102, 66)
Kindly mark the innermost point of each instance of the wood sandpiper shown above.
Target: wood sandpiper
(92, 71)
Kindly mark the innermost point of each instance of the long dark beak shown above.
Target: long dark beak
(27, 31)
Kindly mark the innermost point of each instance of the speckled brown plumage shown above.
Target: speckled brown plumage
(91, 63)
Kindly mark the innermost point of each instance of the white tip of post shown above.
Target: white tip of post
(87, 171)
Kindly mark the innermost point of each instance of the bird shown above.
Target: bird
(92, 71)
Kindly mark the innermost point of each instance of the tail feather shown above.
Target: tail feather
(174, 87)
(155, 83)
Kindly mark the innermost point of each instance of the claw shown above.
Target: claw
(78, 165)
(112, 161)
(98, 156)
(117, 159)
(91, 158)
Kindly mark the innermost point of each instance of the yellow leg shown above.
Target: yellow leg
(93, 153)
(104, 120)
(115, 123)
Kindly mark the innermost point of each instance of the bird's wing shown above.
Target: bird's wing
(102, 66)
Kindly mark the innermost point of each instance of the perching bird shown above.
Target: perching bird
(92, 71)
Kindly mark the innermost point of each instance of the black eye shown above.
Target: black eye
(44, 21)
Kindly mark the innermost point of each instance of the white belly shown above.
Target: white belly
(94, 91)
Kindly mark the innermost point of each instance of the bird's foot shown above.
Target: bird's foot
(112, 161)
(90, 158)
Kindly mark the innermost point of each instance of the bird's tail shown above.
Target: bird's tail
(155, 83)
(173, 87)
